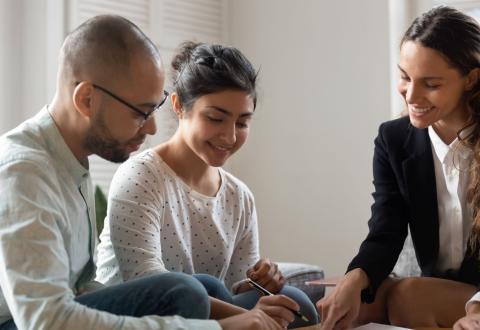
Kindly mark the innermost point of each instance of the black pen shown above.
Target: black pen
(265, 292)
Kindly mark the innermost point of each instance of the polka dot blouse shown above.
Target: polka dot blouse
(157, 223)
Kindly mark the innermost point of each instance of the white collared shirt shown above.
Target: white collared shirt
(46, 224)
(455, 215)
(451, 164)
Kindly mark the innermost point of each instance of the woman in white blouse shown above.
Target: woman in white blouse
(173, 208)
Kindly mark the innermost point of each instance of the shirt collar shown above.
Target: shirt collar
(442, 150)
(58, 147)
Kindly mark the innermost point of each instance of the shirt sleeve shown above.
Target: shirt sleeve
(388, 225)
(34, 276)
(474, 299)
(246, 252)
(135, 214)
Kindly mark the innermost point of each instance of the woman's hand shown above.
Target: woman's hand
(270, 313)
(472, 320)
(267, 274)
(469, 322)
(278, 307)
(340, 308)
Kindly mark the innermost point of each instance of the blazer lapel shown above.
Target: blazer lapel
(419, 173)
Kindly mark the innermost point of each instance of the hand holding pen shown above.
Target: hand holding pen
(266, 273)
(293, 308)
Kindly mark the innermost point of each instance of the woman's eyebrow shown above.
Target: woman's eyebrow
(228, 113)
(424, 78)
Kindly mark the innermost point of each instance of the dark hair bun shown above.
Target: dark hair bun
(200, 68)
(182, 55)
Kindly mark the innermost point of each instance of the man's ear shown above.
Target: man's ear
(472, 78)
(177, 107)
(82, 98)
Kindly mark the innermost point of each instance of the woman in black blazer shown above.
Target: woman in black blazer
(426, 170)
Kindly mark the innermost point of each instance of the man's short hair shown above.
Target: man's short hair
(102, 47)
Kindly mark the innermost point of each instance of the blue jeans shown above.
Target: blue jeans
(163, 294)
(249, 299)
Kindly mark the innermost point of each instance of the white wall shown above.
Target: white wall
(325, 88)
(23, 83)
(34, 56)
(11, 69)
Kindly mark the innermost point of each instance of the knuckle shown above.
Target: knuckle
(256, 322)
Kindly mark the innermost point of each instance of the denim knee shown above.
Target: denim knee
(215, 288)
(186, 293)
(249, 298)
(306, 306)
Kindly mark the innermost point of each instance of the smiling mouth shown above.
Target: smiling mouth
(420, 110)
(220, 148)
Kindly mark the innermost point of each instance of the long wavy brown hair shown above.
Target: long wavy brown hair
(457, 37)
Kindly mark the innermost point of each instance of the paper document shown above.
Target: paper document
(329, 281)
(378, 326)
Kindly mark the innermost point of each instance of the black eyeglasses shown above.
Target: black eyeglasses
(145, 115)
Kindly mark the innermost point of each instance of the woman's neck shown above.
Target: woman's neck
(198, 175)
(446, 133)
(448, 129)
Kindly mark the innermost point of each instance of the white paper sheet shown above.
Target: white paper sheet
(378, 326)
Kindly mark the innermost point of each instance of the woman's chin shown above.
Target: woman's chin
(419, 123)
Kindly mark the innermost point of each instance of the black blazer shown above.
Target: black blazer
(405, 195)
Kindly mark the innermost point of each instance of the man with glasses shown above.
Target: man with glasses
(143, 114)
(110, 82)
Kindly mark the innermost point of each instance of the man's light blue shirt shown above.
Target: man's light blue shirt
(47, 236)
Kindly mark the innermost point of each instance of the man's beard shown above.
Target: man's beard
(99, 141)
